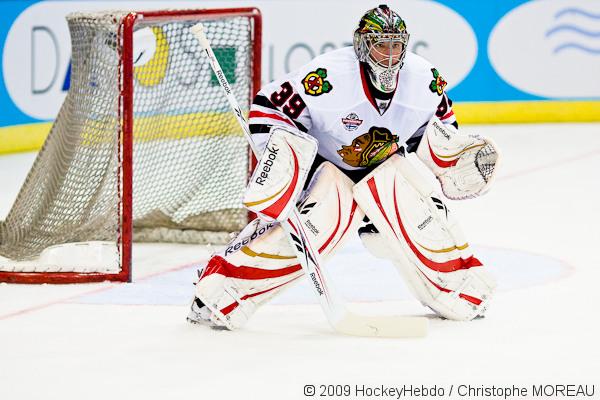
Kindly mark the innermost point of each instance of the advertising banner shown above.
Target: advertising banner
(504, 61)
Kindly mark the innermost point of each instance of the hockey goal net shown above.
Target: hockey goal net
(144, 146)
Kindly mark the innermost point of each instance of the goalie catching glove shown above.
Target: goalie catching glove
(280, 174)
(464, 164)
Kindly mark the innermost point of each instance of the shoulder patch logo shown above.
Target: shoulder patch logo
(438, 83)
(315, 84)
(351, 122)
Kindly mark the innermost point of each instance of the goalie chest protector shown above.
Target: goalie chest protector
(342, 115)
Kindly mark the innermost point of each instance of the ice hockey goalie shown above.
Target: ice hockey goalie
(342, 125)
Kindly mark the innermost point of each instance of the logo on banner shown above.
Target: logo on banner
(351, 122)
(565, 43)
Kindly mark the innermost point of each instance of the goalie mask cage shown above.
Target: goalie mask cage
(144, 147)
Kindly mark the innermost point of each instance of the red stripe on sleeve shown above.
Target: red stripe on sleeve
(260, 114)
(448, 115)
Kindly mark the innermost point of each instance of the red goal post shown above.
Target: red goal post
(136, 137)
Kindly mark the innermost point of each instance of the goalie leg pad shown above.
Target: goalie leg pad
(260, 262)
(423, 240)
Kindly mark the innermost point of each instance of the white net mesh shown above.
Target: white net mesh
(190, 159)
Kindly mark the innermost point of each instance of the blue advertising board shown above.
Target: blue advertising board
(504, 60)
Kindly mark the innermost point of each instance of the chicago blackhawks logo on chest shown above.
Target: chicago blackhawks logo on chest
(370, 148)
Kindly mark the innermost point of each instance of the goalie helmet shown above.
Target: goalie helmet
(380, 41)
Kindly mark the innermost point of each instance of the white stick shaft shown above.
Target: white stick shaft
(295, 225)
(337, 314)
(198, 31)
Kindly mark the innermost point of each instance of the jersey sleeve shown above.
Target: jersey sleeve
(443, 111)
(277, 103)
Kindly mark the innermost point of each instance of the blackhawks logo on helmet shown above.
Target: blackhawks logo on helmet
(438, 83)
(315, 84)
(381, 19)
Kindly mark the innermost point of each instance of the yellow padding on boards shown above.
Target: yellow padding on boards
(30, 137)
(19, 138)
(162, 127)
(527, 111)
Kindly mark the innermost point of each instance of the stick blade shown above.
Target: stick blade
(382, 326)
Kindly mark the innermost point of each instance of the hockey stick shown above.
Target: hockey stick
(338, 316)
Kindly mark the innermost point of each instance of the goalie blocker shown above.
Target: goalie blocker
(280, 174)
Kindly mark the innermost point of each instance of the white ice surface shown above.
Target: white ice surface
(537, 230)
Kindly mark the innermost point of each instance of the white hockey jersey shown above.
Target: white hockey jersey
(330, 98)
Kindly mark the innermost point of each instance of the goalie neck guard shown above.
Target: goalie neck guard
(380, 41)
